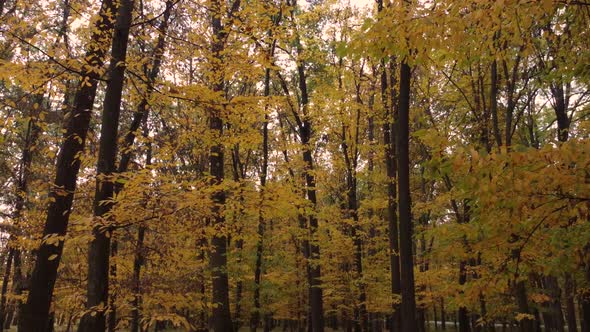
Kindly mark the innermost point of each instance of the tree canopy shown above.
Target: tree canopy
(225, 165)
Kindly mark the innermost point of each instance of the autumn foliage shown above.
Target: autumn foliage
(295, 165)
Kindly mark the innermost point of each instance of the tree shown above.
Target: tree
(99, 252)
(35, 314)
(387, 165)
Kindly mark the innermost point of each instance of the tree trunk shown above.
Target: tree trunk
(99, 251)
(5, 286)
(408, 306)
(316, 310)
(526, 324)
(443, 315)
(553, 312)
(239, 171)
(435, 316)
(391, 170)
(389, 139)
(585, 311)
(315, 290)
(35, 314)
(136, 280)
(221, 318)
(112, 313)
(494, 103)
(463, 315)
(255, 319)
(569, 290)
(560, 107)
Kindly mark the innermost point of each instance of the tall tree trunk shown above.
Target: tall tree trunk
(99, 251)
(141, 116)
(316, 303)
(361, 321)
(389, 138)
(351, 208)
(35, 314)
(255, 319)
(316, 297)
(302, 245)
(393, 233)
(408, 305)
(239, 173)
(218, 256)
(374, 317)
(138, 259)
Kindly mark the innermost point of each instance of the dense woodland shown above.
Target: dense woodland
(299, 166)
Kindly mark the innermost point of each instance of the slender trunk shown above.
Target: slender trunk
(494, 103)
(239, 288)
(35, 314)
(218, 259)
(537, 320)
(238, 175)
(5, 286)
(12, 309)
(463, 315)
(361, 321)
(374, 317)
(136, 280)
(569, 290)
(99, 251)
(255, 319)
(316, 311)
(112, 317)
(487, 326)
(443, 315)
(434, 314)
(526, 324)
(351, 210)
(303, 247)
(22, 184)
(221, 318)
(408, 305)
(138, 259)
(423, 267)
(372, 251)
